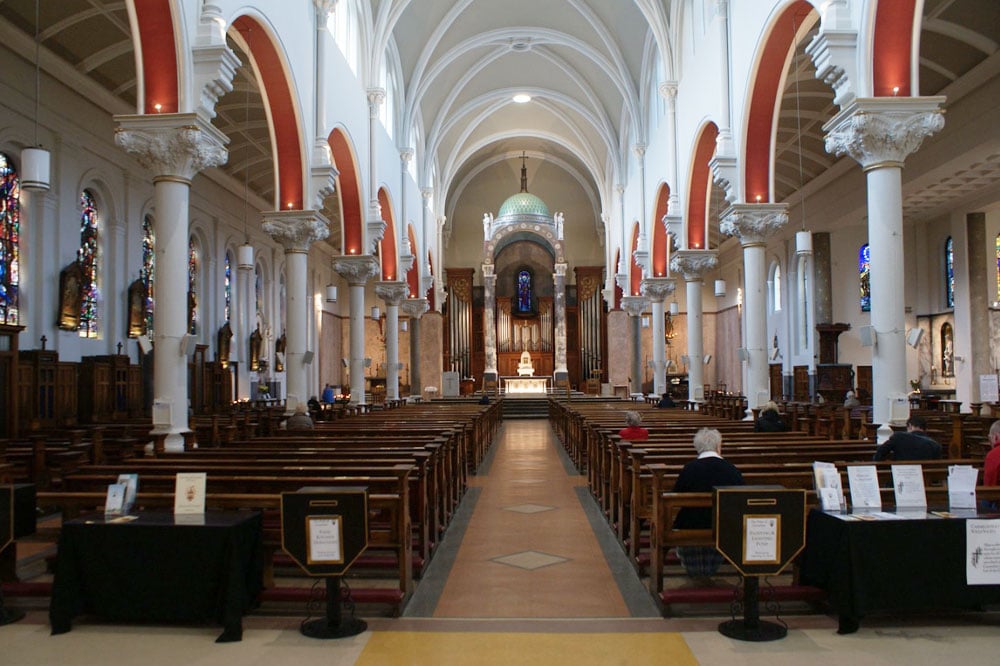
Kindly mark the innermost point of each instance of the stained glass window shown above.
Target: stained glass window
(147, 270)
(10, 232)
(524, 291)
(864, 276)
(192, 286)
(258, 286)
(949, 273)
(227, 284)
(87, 256)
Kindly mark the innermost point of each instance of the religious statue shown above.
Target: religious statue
(136, 309)
(559, 225)
(70, 297)
(488, 226)
(256, 342)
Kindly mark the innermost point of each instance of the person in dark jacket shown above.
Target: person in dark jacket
(702, 474)
(769, 420)
(666, 402)
(914, 444)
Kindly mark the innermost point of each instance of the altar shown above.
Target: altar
(525, 385)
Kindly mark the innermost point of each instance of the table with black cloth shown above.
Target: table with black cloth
(886, 565)
(159, 569)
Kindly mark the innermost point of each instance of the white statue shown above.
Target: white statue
(559, 225)
(488, 226)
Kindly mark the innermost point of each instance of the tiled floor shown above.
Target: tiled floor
(527, 574)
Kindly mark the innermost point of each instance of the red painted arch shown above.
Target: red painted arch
(892, 48)
(701, 177)
(429, 294)
(765, 98)
(387, 245)
(280, 102)
(349, 187)
(660, 239)
(413, 275)
(159, 56)
(635, 270)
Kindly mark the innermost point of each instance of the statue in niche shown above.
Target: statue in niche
(70, 297)
(256, 342)
(136, 309)
(947, 350)
(279, 354)
(225, 335)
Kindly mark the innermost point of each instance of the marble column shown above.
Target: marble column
(753, 224)
(490, 372)
(414, 308)
(657, 290)
(634, 305)
(980, 285)
(879, 133)
(357, 270)
(173, 147)
(822, 278)
(693, 265)
(296, 230)
(245, 304)
(393, 293)
(561, 372)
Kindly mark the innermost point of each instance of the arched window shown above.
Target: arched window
(146, 272)
(776, 288)
(193, 261)
(864, 277)
(258, 286)
(949, 273)
(87, 257)
(387, 112)
(10, 238)
(523, 289)
(227, 284)
(343, 23)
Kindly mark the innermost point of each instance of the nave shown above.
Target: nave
(530, 574)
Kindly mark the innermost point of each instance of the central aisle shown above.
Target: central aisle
(529, 548)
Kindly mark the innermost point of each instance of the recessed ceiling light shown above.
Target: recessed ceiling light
(522, 98)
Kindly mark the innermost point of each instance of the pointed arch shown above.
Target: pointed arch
(284, 119)
(765, 95)
(349, 187)
(634, 269)
(699, 188)
(893, 52)
(156, 56)
(660, 249)
(387, 246)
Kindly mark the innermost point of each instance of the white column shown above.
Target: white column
(657, 290)
(296, 230)
(490, 372)
(693, 265)
(375, 226)
(245, 304)
(415, 308)
(561, 372)
(753, 224)
(393, 293)
(357, 270)
(880, 133)
(174, 147)
(634, 305)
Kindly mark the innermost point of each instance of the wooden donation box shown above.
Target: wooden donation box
(760, 530)
(324, 530)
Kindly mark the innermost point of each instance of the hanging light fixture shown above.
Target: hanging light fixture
(331, 293)
(675, 309)
(803, 238)
(720, 288)
(35, 160)
(244, 253)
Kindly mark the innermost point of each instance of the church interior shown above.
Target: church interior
(213, 210)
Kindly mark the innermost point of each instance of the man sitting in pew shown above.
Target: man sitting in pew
(703, 474)
(300, 419)
(914, 444)
(769, 420)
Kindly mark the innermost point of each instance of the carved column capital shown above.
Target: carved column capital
(296, 230)
(634, 305)
(694, 264)
(323, 10)
(406, 154)
(657, 289)
(753, 224)
(883, 131)
(414, 307)
(668, 91)
(393, 293)
(174, 145)
(356, 269)
(375, 98)
(561, 269)
(489, 271)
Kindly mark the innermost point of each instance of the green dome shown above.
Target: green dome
(523, 203)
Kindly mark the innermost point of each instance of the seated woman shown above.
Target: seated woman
(770, 420)
(300, 419)
(633, 432)
(666, 402)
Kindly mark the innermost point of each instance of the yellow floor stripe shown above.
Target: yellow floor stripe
(406, 648)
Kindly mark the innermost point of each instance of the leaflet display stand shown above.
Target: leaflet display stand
(759, 530)
(324, 530)
(7, 616)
